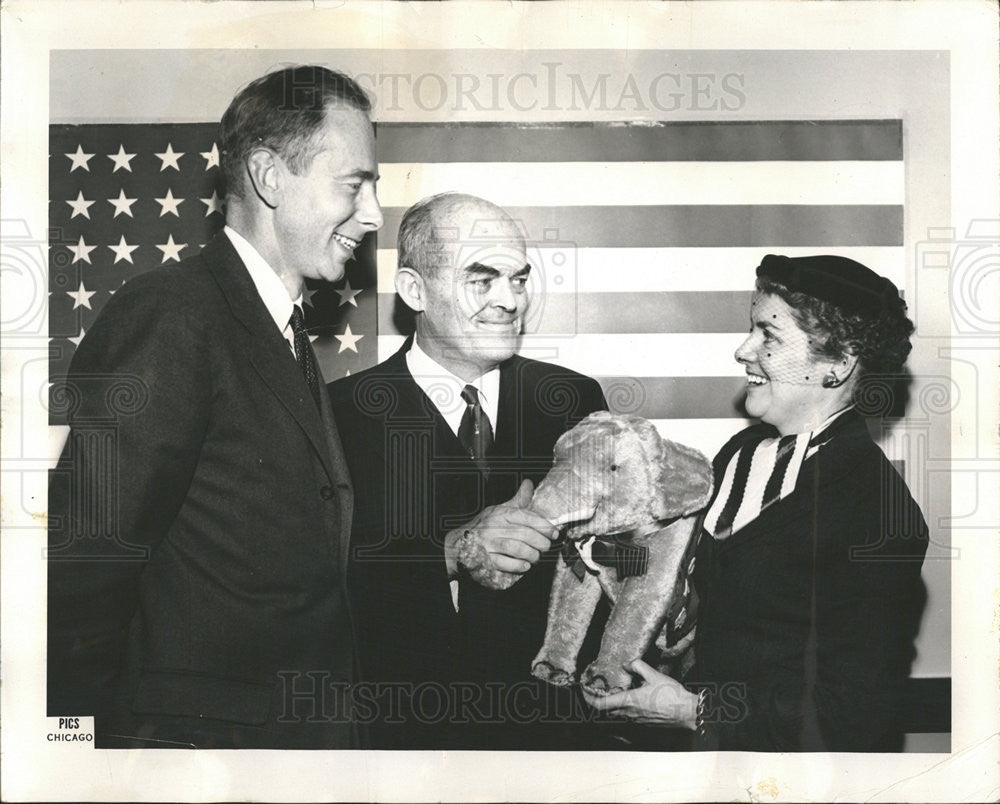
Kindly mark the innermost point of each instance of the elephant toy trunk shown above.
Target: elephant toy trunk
(562, 498)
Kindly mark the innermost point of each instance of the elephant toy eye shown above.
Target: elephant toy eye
(614, 467)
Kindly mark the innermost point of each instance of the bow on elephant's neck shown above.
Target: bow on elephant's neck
(615, 550)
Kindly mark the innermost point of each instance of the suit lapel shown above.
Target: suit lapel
(413, 405)
(267, 350)
(510, 415)
(345, 493)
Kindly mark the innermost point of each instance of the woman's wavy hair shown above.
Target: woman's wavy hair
(881, 340)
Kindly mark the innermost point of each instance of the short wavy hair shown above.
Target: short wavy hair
(284, 110)
(881, 340)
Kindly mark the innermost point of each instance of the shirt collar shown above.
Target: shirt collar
(444, 389)
(269, 286)
(821, 435)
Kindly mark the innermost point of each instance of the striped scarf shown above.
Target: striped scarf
(758, 475)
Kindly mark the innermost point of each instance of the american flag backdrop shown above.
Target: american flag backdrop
(125, 199)
(643, 236)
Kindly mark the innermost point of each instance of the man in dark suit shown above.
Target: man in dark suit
(200, 512)
(447, 435)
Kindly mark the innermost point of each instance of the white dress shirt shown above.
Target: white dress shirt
(444, 389)
(272, 290)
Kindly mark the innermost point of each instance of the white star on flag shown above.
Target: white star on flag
(211, 157)
(81, 296)
(123, 251)
(81, 251)
(80, 159)
(121, 159)
(122, 204)
(171, 250)
(348, 340)
(307, 295)
(168, 204)
(347, 294)
(80, 206)
(169, 158)
(214, 204)
(76, 341)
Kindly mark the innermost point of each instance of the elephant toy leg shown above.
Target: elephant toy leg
(571, 607)
(639, 611)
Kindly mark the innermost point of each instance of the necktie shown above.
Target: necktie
(475, 431)
(304, 354)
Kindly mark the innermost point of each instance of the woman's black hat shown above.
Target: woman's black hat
(838, 280)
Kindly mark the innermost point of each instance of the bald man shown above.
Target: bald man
(448, 434)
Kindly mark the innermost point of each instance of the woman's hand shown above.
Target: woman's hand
(661, 699)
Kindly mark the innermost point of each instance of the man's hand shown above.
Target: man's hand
(661, 699)
(514, 536)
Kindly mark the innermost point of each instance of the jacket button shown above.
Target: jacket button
(326, 492)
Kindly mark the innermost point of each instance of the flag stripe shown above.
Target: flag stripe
(773, 226)
(829, 140)
(707, 435)
(647, 183)
(618, 313)
(676, 397)
(594, 270)
(663, 354)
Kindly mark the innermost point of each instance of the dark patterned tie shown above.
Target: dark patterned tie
(304, 354)
(475, 431)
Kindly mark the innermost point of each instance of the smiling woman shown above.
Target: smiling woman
(788, 385)
(808, 566)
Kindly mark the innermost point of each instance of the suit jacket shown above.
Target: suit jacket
(807, 614)
(199, 517)
(413, 483)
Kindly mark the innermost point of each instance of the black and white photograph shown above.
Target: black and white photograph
(578, 401)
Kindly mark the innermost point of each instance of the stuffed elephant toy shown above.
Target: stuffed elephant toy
(628, 499)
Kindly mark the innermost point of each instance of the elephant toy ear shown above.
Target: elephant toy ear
(685, 480)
